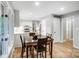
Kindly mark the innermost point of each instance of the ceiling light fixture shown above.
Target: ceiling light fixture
(36, 3)
(61, 9)
(30, 13)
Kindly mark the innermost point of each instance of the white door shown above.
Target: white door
(69, 27)
(56, 29)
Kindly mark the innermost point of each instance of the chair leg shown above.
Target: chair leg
(45, 54)
(42, 54)
(49, 48)
(22, 53)
(37, 54)
(30, 50)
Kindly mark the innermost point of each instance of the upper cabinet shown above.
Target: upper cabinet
(16, 18)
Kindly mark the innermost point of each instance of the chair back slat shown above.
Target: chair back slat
(42, 41)
(22, 42)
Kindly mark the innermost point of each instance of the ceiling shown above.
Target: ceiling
(29, 11)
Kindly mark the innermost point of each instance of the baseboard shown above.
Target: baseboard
(75, 46)
(58, 41)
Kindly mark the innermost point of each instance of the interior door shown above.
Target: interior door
(56, 29)
(69, 30)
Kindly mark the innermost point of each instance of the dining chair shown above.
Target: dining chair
(23, 46)
(27, 46)
(49, 36)
(41, 46)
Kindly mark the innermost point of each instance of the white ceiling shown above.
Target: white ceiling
(28, 10)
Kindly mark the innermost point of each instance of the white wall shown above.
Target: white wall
(51, 25)
(46, 24)
(56, 29)
(61, 29)
(25, 22)
(43, 27)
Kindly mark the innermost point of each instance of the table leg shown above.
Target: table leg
(46, 52)
(51, 49)
(27, 51)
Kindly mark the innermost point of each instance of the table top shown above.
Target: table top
(30, 40)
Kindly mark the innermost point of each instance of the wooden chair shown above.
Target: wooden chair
(31, 47)
(49, 37)
(41, 46)
(48, 43)
(23, 46)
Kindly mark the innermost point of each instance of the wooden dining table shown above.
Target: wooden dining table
(31, 43)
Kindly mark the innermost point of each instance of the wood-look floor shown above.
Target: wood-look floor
(60, 50)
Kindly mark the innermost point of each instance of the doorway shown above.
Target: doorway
(68, 29)
(68, 32)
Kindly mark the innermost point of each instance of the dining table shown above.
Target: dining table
(31, 43)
